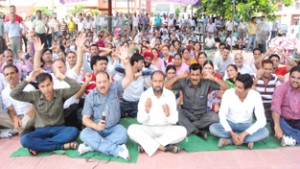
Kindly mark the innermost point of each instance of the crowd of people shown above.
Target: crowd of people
(73, 78)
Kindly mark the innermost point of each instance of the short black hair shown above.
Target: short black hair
(255, 49)
(94, 46)
(47, 49)
(43, 77)
(95, 59)
(267, 61)
(295, 69)
(8, 50)
(222, 44)
(274, 55)
(159, 72)
(135, 58)
(227, 47)
(195, 66)
(246, 79)
(11, 66)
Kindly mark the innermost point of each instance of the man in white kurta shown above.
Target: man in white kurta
(157, 114)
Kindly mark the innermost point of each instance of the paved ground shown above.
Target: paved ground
(281, 158)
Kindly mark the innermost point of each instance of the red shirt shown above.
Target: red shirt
(281, 71)
(91, 85)
(17, 18)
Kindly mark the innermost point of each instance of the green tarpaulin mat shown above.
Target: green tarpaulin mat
(192, 143)
(132, 147)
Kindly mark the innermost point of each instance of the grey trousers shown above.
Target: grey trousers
(195, 122)
(15, 46)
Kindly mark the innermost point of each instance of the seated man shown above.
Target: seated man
(50, 133)
(19, 113)
(193, 114)
(286, 111)
(265, 83)
(236, 113)
(101, 115)
(157, 113)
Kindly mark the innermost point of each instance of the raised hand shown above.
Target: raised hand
(38, 46)
(32, 76)
(259, 73)
(184, 74)
(80, 41)
(88, 77)
(21, 54)
(123, 53)
(209, 76)
(59, 75)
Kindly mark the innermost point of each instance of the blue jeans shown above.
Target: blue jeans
(107, 141)
(291, 128)
(218, 131)
(129, 109)
(49, 138)
(251, 39)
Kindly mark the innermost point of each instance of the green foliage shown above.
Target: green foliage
(76, 10)
(177, 11)
(44, 10)
(244, 8)
(95, 12)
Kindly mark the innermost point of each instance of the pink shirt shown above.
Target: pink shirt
(286, 102)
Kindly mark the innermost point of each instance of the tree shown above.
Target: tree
(244, 8)
(76, 10)
(44, 10)
(177, 11)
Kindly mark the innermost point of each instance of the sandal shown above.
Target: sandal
(141, 149)
(173, 148)
(32, 152)
(70, 146)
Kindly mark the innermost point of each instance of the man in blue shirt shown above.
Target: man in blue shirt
(101, 115)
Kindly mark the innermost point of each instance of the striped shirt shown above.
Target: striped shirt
(96, 104)
(266, 90)
(286, 101)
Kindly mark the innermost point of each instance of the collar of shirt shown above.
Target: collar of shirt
(190, 84)
(42, 97)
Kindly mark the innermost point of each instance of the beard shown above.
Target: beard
(157, 90)
(147, 65)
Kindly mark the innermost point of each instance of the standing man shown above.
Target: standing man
(262, 34)
(13, 35)
(101, 115)
(286, 111)
(236, 113)
(252, 27)
(40, 28)
(194, 115)
(50, 133)
(157, 113)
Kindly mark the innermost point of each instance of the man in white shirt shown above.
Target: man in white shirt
(236, 114)
(210, 42)
(19, 114)
(157, 112)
